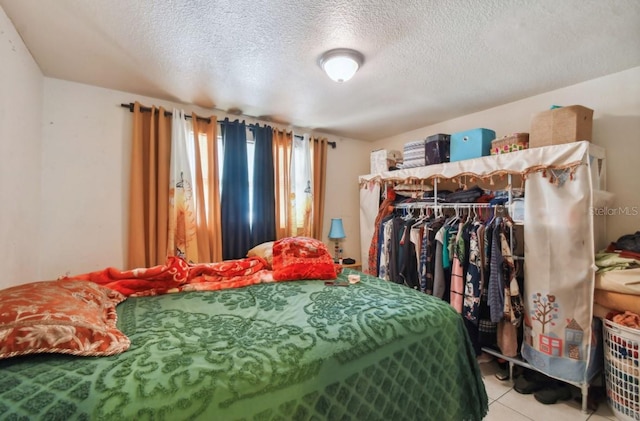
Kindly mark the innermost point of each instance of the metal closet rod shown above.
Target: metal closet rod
(205, 119)
(446, 205)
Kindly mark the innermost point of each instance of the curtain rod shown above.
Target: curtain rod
(206, 119)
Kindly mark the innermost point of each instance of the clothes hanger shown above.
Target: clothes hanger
(456, 218)
(492, 215)
(422, 217)
(476, 217)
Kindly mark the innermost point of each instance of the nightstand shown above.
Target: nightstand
(355, 266)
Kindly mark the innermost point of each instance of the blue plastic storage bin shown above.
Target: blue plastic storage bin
(471, 144)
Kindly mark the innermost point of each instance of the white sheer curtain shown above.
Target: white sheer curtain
(301, 199)
(182, 235)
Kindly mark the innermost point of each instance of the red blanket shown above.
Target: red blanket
(176, 275)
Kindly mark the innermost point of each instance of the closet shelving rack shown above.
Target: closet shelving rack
(439, 206)
(586, 164)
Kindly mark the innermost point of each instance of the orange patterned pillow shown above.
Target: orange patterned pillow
(302, 258)
(66, 316)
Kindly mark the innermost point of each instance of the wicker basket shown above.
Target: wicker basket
(511, 143)
(622, 370)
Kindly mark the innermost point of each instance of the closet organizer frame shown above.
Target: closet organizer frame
(436, 206)
(597, 186)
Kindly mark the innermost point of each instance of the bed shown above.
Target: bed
(270, 351)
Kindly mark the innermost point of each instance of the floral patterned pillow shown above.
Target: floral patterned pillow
(65, 316)
(302, 258)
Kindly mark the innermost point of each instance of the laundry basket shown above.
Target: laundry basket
(622, 370)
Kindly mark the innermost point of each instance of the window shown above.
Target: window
(300, 176)
(202, 138)
(251, 147)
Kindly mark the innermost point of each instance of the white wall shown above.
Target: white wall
(84, 183)
(86, 138)
(615, 100)
(20, 152)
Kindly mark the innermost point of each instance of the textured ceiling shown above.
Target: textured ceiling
(426, 61)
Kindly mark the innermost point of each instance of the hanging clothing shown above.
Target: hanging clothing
(487, 329)
(429, 255)
(408, 268)
(384, 210)
(456, 291)
(395, 255)
(385, 248)
(513, 305)
(507, 328)
(473, 278)
(438, 269)
(496, 275)
(415, 235)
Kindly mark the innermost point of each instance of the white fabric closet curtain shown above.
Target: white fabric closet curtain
(369, 202)
(559, 273)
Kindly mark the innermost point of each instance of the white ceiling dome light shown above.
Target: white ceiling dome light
(341, 64)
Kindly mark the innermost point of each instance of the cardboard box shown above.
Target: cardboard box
(383, 159)
(510, 143)
(561, 125)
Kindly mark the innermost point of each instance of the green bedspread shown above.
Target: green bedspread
(283, 351)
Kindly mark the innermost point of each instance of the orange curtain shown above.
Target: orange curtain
(149, 188)
(282, 149)
(208, 213)
(282, 145)
(319, 152)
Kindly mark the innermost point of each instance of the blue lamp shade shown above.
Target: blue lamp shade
(337, 230)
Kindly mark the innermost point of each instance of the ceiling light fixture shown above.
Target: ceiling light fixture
(341, 64)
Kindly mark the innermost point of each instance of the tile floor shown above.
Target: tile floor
(505, 404)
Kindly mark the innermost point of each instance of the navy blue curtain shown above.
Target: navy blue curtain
(263, 208)
(234, 198)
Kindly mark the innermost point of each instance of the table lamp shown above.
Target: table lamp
(336, 233)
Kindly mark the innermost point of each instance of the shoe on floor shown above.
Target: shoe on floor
(553, 394)
(503, 371)
(502, 374)
(484, 358)
(526, 387)
(530, 382)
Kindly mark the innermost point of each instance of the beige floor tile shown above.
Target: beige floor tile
(499, 412)
(507, 404)
(526, 404)
(603, 413)
(495, 388)
(596, 417)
